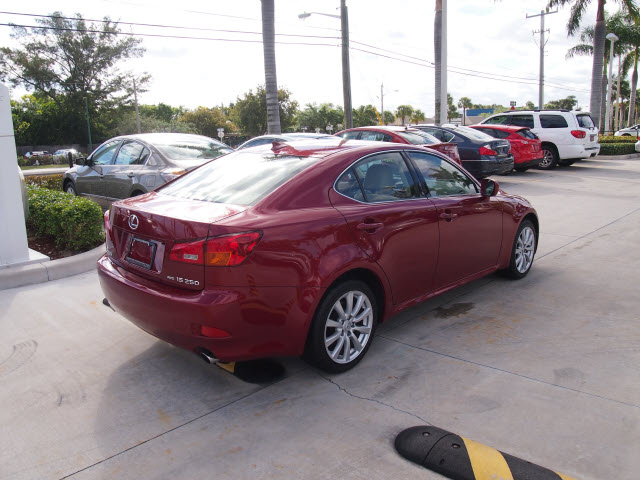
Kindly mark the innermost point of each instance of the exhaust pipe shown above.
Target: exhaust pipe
(207, 356)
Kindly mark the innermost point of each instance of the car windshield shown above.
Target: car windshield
(242, 178)
(471, 133)
(189, 147)
(418, 138)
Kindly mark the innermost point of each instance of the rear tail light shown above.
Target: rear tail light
(107, 231)
(171, 173)
(579, 133)
(226, 251)
(485, 150)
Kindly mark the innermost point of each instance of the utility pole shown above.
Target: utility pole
(382, 102)
(86, 106)
(541, 31)
(135, 99)
(346, 72)
(444, 107)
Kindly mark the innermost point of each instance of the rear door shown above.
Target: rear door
(470, 226)
(390, 221)
(124, 171)
(90, 178)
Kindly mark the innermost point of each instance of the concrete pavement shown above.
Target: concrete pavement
(544, 368)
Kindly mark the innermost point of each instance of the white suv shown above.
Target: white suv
(566, 135)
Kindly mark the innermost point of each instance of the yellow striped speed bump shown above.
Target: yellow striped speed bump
(462, 459)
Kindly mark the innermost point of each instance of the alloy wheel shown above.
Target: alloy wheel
(525, 249)
(547, 161)
(348, 327)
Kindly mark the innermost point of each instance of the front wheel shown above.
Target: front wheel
(550, 159)
(523, 251)
(343, 327)
(70, 188)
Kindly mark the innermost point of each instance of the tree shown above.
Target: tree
(72, 62)
(316, 116)
(452, 110)
(577, 10)
(464, 103)
(364, 116)
(388, 117)
(562, 104)
(418, 116)
(126, 124)
(206, 121)
(437, 45)
(250, 112)
(529, 105)
(271, 83)
(404, 112)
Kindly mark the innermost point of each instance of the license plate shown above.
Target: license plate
(141, 252)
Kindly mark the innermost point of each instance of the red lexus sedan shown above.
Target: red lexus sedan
(398, 134)
(304, 247)
(525, 145)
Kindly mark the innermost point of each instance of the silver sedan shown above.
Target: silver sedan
(131, 165)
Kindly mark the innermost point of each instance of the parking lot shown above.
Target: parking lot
(545, 369)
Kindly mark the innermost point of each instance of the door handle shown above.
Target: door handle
(370, 227)
(448, 216)
(131, 174)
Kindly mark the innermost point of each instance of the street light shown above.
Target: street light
(607, 117)
(346, 73)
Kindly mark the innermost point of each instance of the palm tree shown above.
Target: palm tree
(437, 45)
(404, 111)
(418, 116)
(578, 7)
(271, 83)
(464, 103)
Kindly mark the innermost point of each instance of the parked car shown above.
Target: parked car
(525, 145)
(567, 136)
(303, 248)
(481, 154)
(638, 146)
(135, 164)
(37, 154)
(629, 131)
(406, 135)
(285, 137)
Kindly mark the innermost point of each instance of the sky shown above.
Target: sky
(486, 38)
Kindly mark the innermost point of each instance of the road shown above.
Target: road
(545, 369)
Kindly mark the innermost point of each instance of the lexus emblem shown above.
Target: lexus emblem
(133, 222)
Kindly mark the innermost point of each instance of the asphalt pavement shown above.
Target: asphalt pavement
(544, 369)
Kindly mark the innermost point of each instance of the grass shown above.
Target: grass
(36, 167)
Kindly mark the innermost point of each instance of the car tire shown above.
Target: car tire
(523, 251)
(70, 188)
(343, 327)
(550, 159)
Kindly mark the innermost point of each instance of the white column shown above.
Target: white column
(13, 233)
(444, 106)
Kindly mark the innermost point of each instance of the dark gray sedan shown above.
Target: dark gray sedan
(135, 164)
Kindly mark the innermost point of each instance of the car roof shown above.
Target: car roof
(154, 137)
(506, 128)
(388, 128)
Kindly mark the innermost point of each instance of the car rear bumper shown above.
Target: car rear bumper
(531, 163)
(486, 166)
(578, 151)
(261, 322)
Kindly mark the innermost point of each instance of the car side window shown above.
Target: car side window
(104, 154)
(497, 120)
(440, 177)
(553, 121)
(350, 135)
(385, 177)
(349, 186)
(375, 136)
(522, 120)
(132, 153)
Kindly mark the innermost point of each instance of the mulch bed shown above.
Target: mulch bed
(47, 246)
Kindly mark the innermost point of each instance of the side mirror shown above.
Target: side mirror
(70, 158)
(489, 188)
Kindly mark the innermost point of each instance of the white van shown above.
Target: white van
(566, 135)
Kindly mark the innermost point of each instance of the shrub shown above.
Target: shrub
(617, 148)
(74, 222)
(612, 139)
(52, 182)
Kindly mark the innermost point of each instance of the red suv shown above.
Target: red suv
(304, 247)
(525, 145)
(397, 134)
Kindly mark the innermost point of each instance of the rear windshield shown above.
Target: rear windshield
(190, 147)
(585, 121)
(242, 178)
(418, 138)
(472, 133)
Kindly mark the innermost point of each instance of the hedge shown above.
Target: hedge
(52, 182)
(617, 148)
(612, 139)
(74, 222)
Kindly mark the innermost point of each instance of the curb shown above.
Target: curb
(19, 276)
(630, 156)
